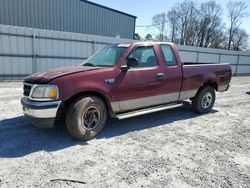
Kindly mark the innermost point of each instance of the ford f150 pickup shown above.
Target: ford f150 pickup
(121, 81)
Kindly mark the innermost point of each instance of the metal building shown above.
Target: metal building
(79, 16)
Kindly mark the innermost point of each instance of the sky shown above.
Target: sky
(145, 10)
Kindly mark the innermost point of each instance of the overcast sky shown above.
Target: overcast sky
(145, 10)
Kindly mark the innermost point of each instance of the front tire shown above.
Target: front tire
(203, 101)
(86, 117)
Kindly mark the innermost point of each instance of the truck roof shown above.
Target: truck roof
(145, 43)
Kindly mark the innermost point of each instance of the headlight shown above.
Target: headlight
(49, 92)
(38, 92)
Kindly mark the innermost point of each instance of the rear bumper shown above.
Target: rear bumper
(41, 114)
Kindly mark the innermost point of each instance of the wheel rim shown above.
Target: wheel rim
(91, 118)
(207, 100)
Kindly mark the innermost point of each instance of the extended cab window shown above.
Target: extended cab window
(168, 55)
(145, 56)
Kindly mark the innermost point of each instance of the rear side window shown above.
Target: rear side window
(145, 56)
(168, 55)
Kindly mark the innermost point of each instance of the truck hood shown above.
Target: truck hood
(47, 76)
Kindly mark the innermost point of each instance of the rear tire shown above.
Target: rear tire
(203, 101)
(86, 117)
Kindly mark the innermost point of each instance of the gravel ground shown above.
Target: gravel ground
(174, 148)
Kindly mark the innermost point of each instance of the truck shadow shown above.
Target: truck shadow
(20, 138)
(119, 127)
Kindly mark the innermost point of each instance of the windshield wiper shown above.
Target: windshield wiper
(89, 64)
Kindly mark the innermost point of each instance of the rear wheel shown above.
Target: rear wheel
(203, 101)
(86, 117)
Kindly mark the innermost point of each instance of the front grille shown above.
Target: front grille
(26, 90)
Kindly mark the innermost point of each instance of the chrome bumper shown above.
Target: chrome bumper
(41, 114)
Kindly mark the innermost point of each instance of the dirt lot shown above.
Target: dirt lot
(174, 148)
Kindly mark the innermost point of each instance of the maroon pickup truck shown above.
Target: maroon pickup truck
(121, 81)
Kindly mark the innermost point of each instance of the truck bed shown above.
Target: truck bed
(196, 73)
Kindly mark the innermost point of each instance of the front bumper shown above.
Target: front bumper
(41, 114)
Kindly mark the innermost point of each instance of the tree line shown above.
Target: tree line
(201, 24)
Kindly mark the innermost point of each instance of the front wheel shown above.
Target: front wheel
(86, 117)
(203, 101)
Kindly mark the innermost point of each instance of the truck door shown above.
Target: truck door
(139, 86)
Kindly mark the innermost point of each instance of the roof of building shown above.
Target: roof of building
(108, 8)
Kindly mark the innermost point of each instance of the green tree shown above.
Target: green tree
(137, 36)
(149, 37)
(159, 21)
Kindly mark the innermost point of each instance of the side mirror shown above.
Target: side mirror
(131, 62)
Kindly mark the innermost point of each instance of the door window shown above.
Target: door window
(145, 56)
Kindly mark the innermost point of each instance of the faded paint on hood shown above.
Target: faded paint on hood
(47, 76)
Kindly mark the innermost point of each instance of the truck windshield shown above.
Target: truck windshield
(107, 57)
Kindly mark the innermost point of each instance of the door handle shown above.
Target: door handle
(160, 76)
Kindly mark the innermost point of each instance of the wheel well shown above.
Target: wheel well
(90, 93)
(213, 84)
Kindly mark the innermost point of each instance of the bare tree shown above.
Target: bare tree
(240, 40)
(161, 37)
(201, 24)
(185, 11)
(183, 23)
(210, 22)
(236, 11)
(173, 22)
(160, 21)
(218, 40)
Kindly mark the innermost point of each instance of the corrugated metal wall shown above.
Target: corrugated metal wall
(240, 61)
(25, 50)
(67, 15)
